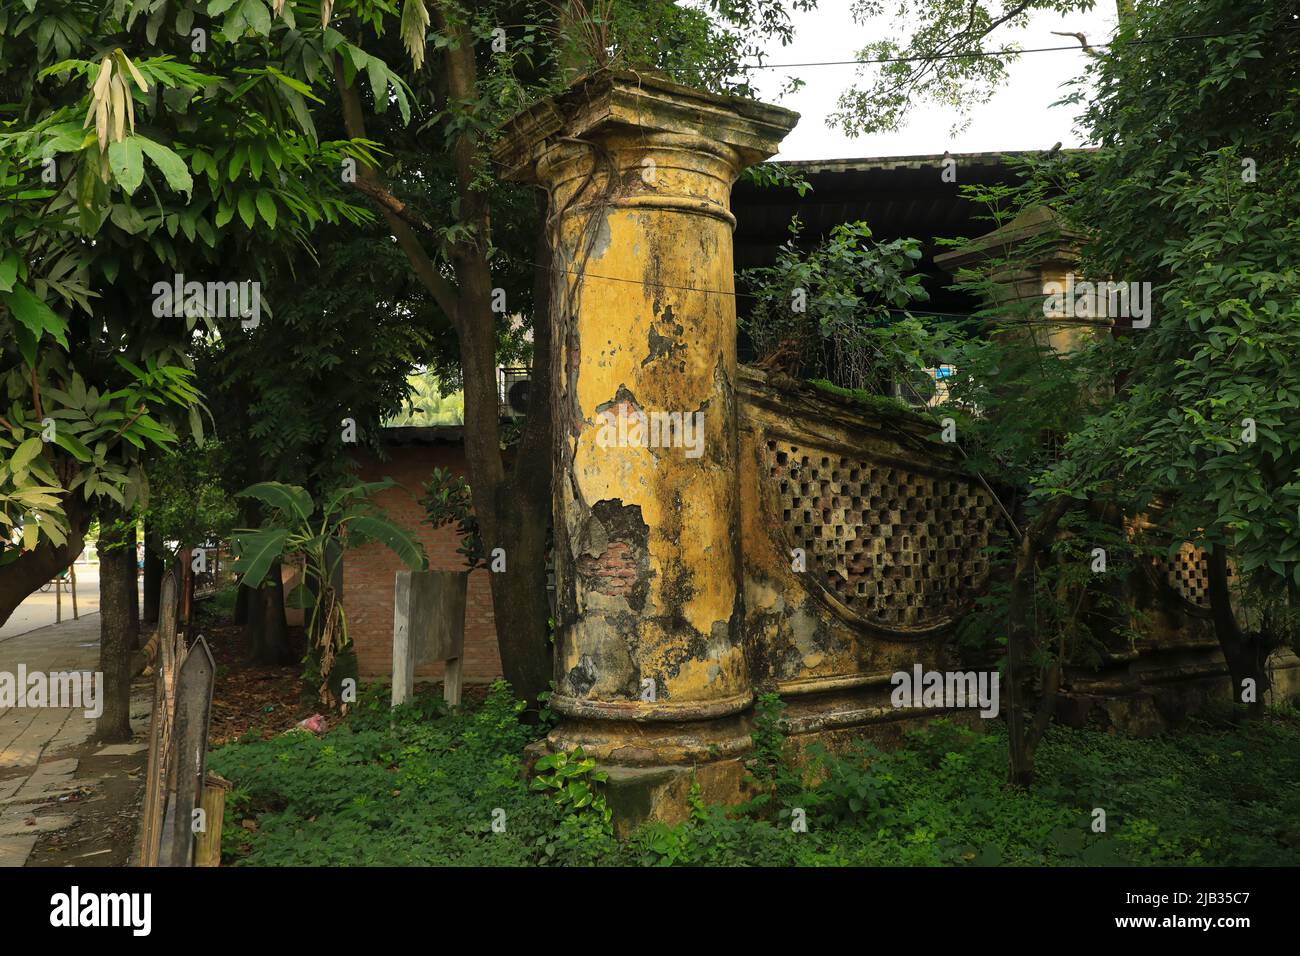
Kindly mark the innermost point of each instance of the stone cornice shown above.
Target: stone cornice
(639, 101)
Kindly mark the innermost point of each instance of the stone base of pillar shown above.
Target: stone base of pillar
(655, 744)
(637, 795)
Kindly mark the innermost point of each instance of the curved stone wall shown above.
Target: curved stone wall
(863, 541)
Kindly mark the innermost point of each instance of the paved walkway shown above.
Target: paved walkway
(43, 607)
(41, 747)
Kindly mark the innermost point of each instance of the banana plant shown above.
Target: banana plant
(295, 525)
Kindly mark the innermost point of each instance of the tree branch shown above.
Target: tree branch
(401, 221)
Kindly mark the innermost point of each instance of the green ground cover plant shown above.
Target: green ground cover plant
(421, 786)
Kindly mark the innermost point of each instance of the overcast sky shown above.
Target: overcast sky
(1018, 117)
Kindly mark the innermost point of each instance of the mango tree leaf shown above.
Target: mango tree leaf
(24, 455)
(246, 210)
(259, 18)
(169, 164)
(266, 206)
(8, 271)
(35, 314)
(127, 163)
(71, 445)
(127, 218)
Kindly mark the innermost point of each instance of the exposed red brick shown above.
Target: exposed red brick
(369, 571)
(613, 571)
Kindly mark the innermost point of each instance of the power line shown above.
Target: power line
(981, 314)
(1006, 51)
(921, 412)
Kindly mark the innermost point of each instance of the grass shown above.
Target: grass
(427, 788)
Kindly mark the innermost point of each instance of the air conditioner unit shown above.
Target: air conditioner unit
(514, 392)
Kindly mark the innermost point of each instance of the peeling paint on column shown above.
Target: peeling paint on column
(666, 340)
(648, 562)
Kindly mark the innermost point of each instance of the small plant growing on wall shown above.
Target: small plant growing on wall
(296, 525)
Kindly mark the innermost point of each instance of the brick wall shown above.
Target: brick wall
(368, 571)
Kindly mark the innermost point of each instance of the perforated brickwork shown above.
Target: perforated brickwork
(1188, 574)
(898, 547)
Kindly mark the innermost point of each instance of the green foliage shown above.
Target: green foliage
(881, 404)
(187, 502)
(447, 499)
(777, 176)
(411, 787)
(768, 737)
(419, 786)
(428, 403)
(1207, 797)
(349, 325)
(122, 163)
(837, 312)
(570, 779)
(1195, 192)
(928, 66)
(346, 519)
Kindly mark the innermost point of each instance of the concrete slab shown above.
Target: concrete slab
(121, 750)
(15, 850)
(20, 821)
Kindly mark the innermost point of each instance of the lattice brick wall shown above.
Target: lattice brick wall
(900, 548)
(1188, 574)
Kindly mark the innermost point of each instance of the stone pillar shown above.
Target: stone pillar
(649, 664)
(1024, 258)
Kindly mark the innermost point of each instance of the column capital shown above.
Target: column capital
(612, 101)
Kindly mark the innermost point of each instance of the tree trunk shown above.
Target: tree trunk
(1024, 733)
(519, 604)
(118, 631)
(25, 574)
(1245, 654)
(242, 595)
(513, 513)
(186, 591)
(153, 574)
(265, 628)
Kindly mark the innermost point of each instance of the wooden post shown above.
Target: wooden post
(452, 678)
(72, 580)
(193, 709)
(58, 599)
(207, 844)
(403, 645)
(187, 589)
(155, 790)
